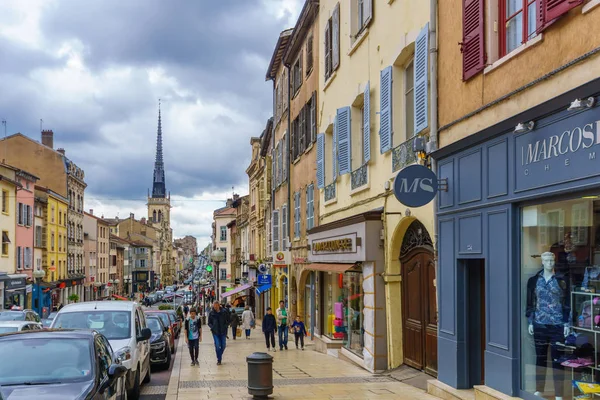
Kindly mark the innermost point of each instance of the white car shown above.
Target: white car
(18, 326)
(124, 325)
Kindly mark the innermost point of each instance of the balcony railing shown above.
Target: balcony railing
(403, 155)
(360, 177)
(330, 192)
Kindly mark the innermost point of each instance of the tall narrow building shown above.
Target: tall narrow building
(159, 213)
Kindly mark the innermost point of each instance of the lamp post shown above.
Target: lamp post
(217, 256)
(127, 281)
(97, 285)
(116, 282)
(38, 275)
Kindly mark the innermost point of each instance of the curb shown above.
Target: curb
(173, 388)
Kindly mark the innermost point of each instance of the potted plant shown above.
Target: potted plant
(74, 298)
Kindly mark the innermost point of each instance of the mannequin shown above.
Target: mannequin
(548, 308)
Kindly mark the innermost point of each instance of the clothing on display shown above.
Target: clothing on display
(548, 302)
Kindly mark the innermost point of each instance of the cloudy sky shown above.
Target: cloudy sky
(94, 70)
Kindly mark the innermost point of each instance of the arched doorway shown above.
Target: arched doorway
(419, 315)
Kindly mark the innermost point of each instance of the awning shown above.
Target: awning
(5, 238)
(114, 296)
(337, 268)
(237, 290)
(262, 289)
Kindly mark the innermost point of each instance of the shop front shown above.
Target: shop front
(519, 253)
(346, 262)
(15, 291)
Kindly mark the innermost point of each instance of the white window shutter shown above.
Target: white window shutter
(344, 142)
(420, 80)
(335, 40)
(284, 223)
(321, 160)
(367, 11)
(367, 123)
(385, 115)
(275, 230)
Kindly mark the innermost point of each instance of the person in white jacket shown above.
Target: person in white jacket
(282, 325)
(247, 321)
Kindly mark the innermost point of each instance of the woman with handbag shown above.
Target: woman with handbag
(248, 321)
(234, 322)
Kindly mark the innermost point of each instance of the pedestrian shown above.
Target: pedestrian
(186, 309)
(248, 321)
(234, 322)
(193, 335)
(218, 322)
(282, 325)
(299, 331)
(269, 325)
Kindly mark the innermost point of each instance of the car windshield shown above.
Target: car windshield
(112, 324)
(12, 316)
(154, 325)
(164, 318)
(52, 315)
(46, 360)
(8, 329)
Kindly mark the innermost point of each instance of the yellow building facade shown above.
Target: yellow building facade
(56, 226)
(366, 123)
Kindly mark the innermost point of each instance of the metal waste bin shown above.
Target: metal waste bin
(260, 374)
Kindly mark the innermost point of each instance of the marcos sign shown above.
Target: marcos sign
(415, 186)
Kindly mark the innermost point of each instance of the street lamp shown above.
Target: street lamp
(38, 275)
(116, 282)
(127, 281)
(217, 256)
(97, 285)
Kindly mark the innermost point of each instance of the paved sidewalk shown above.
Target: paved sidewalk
(296, 374)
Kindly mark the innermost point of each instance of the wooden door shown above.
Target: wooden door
(419, 310)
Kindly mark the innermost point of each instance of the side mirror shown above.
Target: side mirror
(166, 329)
(145, 335)
(115, 371)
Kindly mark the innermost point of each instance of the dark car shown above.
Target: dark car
(160, 342)
(60, 364)
(170, 334)
(175, 320)
(166, 319)
(24, 315)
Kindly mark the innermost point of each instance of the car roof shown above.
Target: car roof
(52, 334)
(99, 305)
(17, 323)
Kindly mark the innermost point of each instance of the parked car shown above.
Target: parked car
(177, 320)
(123, 323)
(167, 320)
(47, 321)
(160, 294)
(170, 335)
(19, 326)
(160, 342)
(20, 315)
(60, 365)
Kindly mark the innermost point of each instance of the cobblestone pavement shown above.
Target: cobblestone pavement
(296, 375)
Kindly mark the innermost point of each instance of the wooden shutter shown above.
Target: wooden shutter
(297, 214)
(275, 227)
(309, 54)
(29, 216)
(344, 140)
(286, 157)
(300, 65)
(321, 160)
(284, 224)
(313, 117)
(367, 11)
(293, 138)
(473, 44)
(327, 50)
(334, 160)
(301, 131)
(385, 114)
(335, 38)
(19, 258)
(420, 80)
(367, 123)
(306, 126)
(557, 8)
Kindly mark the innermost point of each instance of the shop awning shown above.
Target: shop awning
(262, 289)
(337, 268)
(236, 290)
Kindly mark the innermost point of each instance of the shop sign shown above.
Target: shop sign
(300, 260)
(559, 152)
(335, 245)
(16, 283)
(281, 259)
(415, 186)
(264, 280)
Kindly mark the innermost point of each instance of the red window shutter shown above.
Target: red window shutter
(556, 8)
(473, 44)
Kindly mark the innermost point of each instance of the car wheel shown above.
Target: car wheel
(148, 376)
(167, 364)
(134, 393)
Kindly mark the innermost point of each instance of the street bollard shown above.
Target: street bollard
(260, 375)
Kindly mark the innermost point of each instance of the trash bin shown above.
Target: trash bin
(260, 374)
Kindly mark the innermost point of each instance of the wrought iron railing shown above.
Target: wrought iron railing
(330, 192)
(403, 155)
(360, 176)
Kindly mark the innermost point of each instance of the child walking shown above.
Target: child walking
(299, 331)
(268, 327)
(193, 335)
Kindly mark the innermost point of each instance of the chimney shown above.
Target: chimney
(48, 138)
(131, 216)
(61, 151)
(91, 211)
(229, 202)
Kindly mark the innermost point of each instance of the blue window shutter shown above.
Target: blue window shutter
(420, 77)
(385, 115)
(334, 149)
(344, 140)
(367, 124)
(321, 160)
(308, 207)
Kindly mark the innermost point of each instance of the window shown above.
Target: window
(361, 11)
(223, 234)
(19, 258)
(409, 99)
(297, 74)
(313, 117)
(275, 229)
(222, 273)
(60, 217)
(20, 213)
(27, 257)
(309, 54)
(332, 42)
(5, 243)
(519, 23)
(142, 263)
(52, 214)
(310, 210)
(5, 206)
(297, 214)
(52, 241)
(38, 236)
(224, 250)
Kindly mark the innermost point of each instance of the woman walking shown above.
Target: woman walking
(247, 321)
(234, 323)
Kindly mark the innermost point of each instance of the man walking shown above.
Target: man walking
(282, 325)
(218, 322)
(268, 327)
(193, 335)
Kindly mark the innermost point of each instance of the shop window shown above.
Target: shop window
(560, 291)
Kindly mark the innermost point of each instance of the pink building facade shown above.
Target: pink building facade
(25, 230)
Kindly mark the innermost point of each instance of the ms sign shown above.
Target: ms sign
(415, 186)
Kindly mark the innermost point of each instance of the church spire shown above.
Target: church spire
(158, 185)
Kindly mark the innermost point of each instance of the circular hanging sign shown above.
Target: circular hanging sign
(415, 186)
(262, 268)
